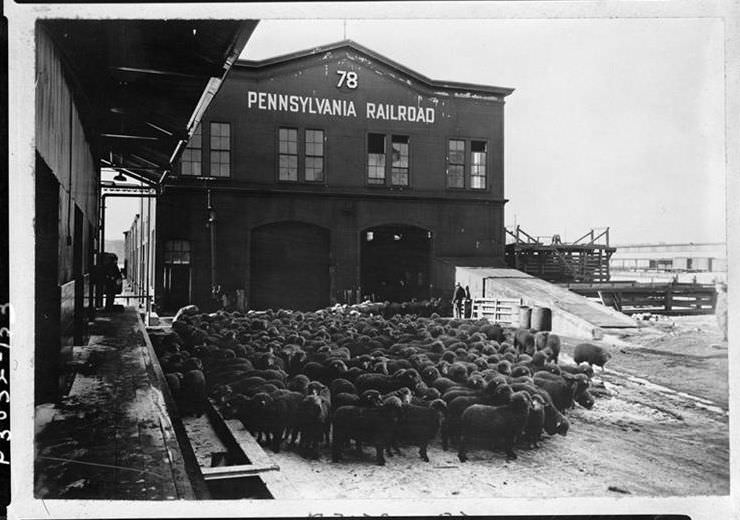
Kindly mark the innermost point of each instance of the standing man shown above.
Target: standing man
(458, 299)
(112, 280)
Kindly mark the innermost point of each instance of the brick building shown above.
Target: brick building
(329, 175)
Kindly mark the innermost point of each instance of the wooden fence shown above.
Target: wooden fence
(499, 310)
(656, 298)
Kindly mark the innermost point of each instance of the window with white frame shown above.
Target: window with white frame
(478, 154)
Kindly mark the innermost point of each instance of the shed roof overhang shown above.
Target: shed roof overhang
(141, 86)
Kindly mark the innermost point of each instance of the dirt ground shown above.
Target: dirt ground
(684, 352)
(659, 428)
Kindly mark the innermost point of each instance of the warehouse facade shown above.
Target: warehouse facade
(332, 175)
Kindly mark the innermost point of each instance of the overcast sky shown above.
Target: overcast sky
(614, 122)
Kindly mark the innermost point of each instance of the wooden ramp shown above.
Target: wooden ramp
(570, 311)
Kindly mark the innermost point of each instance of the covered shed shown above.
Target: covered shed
(123, 94)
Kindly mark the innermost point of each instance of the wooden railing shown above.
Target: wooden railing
(593, 237)
(522, 237)
(521, 233)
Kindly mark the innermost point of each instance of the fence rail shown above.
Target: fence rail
(500, 310)
(657, 298)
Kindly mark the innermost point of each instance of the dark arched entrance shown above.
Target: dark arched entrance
(289, 267)
(395, 262)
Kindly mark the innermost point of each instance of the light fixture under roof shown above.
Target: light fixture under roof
(120, 177)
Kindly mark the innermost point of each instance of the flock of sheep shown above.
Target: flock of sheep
(339, 375)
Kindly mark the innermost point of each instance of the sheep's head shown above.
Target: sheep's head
(371, 398)
(521, 401)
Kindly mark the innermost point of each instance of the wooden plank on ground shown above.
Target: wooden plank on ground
(276, 481)
(238, 471)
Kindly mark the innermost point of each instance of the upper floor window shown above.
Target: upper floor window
(376, 159)
(288, 154)
(456, 163)
(380, 158)
(190, 162)
(314, 151)
(478, 164)
(400, 160)
(220, 149)
(467, 170)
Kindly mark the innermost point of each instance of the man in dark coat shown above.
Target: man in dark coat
(111, 280)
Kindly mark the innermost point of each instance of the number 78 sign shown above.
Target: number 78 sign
(347, 79)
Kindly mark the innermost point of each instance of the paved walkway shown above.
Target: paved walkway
(111, 437)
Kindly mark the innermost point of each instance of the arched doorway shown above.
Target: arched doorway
(289, 267)
(395, 262)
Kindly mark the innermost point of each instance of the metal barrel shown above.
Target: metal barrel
(525, 316)
(541, 318)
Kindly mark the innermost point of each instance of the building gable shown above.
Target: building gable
(349, 83)
(356, 52)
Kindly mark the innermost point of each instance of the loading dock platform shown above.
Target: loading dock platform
(572, 314)
(115, 434)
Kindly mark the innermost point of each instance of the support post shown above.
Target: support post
(212, 237)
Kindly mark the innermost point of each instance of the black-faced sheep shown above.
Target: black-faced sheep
(494, 424)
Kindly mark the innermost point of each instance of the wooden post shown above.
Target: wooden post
(669, 297)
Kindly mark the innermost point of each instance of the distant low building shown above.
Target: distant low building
(639, 260)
